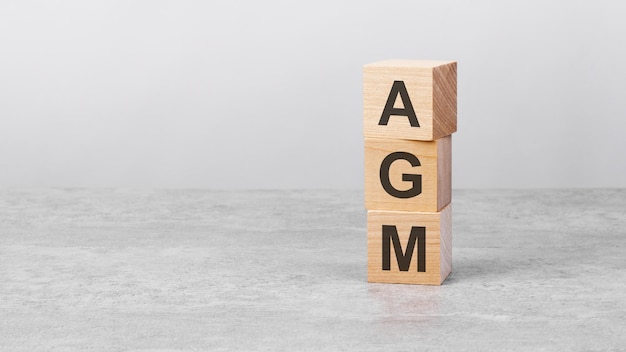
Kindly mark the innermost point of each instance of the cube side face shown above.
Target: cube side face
(444, 100)
(445, 240)
(383, 263)
(402, 174)
(378, 83)
(444, 171)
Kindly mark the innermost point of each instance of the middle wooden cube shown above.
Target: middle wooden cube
(407, 175)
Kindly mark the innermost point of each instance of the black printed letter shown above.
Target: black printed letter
(398, 87)
(390, 234)
(415, 179)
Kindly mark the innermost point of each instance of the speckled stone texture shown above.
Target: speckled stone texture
(185, 270)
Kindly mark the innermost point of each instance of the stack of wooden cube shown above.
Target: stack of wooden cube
(410, 112)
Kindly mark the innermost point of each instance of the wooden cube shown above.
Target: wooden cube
(408, 175)
(409, 247)
(409, 99)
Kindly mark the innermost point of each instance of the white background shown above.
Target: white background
(268, 94)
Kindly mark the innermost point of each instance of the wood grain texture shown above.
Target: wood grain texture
(444, 100)
(444, 171)
(435, 169)
(431, 86)
(438, 246)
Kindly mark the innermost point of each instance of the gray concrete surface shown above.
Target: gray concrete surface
(183, 270)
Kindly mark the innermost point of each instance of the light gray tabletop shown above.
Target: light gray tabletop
(182, 270)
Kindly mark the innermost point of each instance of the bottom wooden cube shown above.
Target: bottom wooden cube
(409, 247)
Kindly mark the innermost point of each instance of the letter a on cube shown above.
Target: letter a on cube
(409, 99)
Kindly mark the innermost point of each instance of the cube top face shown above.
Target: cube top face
(427, 64)
(408, 247)
(409, 99)
(405, 175)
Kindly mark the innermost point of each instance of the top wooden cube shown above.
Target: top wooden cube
(409, 99)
